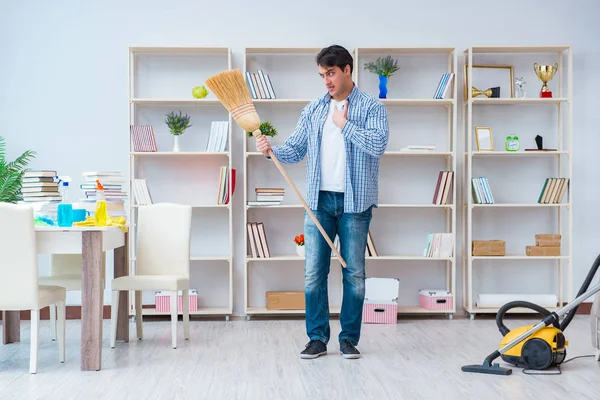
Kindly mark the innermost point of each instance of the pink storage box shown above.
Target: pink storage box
(162, 301)
(439, 300)
(381, 301)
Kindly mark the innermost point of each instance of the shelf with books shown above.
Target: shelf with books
(503, 203)
(194, 168)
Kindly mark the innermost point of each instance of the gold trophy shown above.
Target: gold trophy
(545, 73)
(491, 92)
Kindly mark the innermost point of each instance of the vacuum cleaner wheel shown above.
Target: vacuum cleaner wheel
(537, 354)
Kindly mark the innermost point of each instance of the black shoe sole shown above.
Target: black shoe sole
(350, 356)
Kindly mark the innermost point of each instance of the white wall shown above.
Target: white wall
(63, 72)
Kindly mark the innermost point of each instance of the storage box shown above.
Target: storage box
(439, 300)
(547, 240)
(381, 301)
(543, 251)
(285, 300)
(489, 248)
(162, 301)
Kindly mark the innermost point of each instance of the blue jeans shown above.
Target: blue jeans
(352, 229)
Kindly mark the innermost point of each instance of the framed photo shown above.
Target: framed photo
(490, 76)
(484, 138)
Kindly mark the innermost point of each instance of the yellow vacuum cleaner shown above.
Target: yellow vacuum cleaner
(539, 346)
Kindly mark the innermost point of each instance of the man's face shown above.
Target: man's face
(335, 79)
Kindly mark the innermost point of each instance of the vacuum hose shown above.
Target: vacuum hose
(546, 313)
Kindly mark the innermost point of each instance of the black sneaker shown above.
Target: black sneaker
(348, 350)
(314, 349)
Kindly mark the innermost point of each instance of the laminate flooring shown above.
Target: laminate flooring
(258, 359)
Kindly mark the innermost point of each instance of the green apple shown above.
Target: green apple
(200, 92)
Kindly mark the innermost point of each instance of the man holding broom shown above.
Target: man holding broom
(343, 134)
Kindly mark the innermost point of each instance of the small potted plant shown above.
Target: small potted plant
(385, 67)
(299, 240)
(177, 124)
(11, 174)
(267, 129)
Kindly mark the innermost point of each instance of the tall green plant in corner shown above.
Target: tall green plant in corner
(11, 174)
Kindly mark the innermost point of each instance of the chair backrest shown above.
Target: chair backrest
(164, 239)
(66, 264)
(18, 258)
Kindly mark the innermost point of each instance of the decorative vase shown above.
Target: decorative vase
(300, 251)
(383, 80)
(175, 143)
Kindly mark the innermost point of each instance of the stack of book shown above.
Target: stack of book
(226, 184)
(439, 245)
(217, 141)
(40, 186)
(260, 85)
(268, 196)
(113, 191)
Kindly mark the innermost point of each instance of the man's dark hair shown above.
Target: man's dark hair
(335, 55)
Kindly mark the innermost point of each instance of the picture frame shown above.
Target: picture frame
(488, 76)
(484, 138)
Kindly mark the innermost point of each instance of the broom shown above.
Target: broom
(231, 90)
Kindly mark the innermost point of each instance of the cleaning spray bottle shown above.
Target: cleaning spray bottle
(101, 214)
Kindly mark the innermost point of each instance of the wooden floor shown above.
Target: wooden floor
(258, 359)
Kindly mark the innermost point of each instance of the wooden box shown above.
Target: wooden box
(489, 248)
(547, 239)
(543, 251)
(285, 300)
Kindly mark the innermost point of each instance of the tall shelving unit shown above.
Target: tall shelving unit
(518, 177)
(161, 80)
(295, 81)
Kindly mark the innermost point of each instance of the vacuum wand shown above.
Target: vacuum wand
(488, 368)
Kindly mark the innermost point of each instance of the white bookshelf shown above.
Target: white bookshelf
(410, 104)
(516, 179)
(160, 81)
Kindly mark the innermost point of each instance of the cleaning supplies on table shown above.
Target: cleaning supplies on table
(64, 216)
(101, 212)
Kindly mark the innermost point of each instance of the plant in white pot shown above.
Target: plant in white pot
(300, 250)
(177, 124)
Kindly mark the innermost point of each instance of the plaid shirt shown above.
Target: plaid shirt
(365, 137)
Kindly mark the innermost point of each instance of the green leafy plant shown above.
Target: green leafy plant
(11, 174)
(177, 123)
(385, 66)
(267, 129)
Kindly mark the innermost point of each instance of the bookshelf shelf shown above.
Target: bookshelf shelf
(161, 80)
(292, 73)
(515, 191)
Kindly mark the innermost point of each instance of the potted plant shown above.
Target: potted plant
(385, 67)
(267, 129)
(177, 124)
(11, 174)
(300, 250)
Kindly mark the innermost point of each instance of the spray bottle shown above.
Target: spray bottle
(101, 214)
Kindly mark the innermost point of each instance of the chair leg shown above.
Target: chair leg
(62, 316)
(174, 317)
(138, 315)
(35, 339)
(597, 355)
(186, 314)
(114, 313)
(53, 321)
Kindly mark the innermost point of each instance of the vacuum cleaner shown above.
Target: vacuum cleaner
(539, 346)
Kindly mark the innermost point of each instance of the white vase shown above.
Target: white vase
(175, 143)
(300, 251)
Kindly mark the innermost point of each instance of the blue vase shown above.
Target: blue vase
(383, 80)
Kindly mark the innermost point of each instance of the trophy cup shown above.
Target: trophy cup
(545, 73)
(491, 92)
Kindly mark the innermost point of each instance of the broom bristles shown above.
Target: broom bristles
(231, 90)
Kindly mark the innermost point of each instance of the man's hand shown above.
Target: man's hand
(263, 145)
(339, 116)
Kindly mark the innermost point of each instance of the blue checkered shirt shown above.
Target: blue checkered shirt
(365, 137)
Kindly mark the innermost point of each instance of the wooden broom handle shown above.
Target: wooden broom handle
(307, 208)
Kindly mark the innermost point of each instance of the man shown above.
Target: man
(343, 134)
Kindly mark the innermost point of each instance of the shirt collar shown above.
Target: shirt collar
(327, 97)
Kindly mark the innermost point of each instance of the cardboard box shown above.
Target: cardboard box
(381, 301)
(283, 300)
(435, 300)
(547, 240)
(543, 251)
(162, 301)
(489, 248)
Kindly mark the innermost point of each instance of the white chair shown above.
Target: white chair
(19, 287)
(162, 263)
(65, 271)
